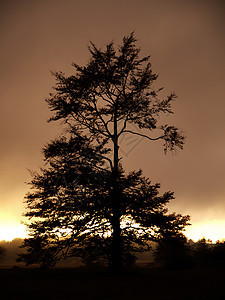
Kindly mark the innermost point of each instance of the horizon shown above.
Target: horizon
(196, 233)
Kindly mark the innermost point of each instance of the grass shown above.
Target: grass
(98, 283)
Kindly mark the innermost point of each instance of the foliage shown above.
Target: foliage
(173, 252)
(178, 252)
(2, 252)
(204, 252)
(83, 203)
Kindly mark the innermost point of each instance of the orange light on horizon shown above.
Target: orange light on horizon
(213, 230)
(11, 231)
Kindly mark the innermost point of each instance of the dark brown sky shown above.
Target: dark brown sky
(187, 45)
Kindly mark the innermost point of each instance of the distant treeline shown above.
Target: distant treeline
(181, 253)
(9, 252)
(177, 253)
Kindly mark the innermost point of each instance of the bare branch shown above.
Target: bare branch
(85, 123)
(103, 98)
(101, 118)
(108, 159)
(124, 126)
(144, 135)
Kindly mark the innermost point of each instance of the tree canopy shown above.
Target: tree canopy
(82, 202)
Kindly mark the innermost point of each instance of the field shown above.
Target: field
(95, 283)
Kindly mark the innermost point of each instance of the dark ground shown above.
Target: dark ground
(86, 283)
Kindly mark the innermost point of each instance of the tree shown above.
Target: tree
(83, 203)
(173, 251)
(2, 252)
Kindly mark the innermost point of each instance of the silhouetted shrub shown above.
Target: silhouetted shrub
(218, 255)
(173, 252)
(2, 252)
(205, 253)
(201, 251)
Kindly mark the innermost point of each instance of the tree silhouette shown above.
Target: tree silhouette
(2, 252)
(83, 203)
(173, 251)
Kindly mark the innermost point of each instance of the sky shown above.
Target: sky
(186, 42)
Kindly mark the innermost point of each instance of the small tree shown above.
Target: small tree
(83, 203)
(173, 251)
(2, 252)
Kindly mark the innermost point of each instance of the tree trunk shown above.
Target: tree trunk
(116, 234)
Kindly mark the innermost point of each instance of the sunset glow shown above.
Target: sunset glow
(11, 230)
(212, 230)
